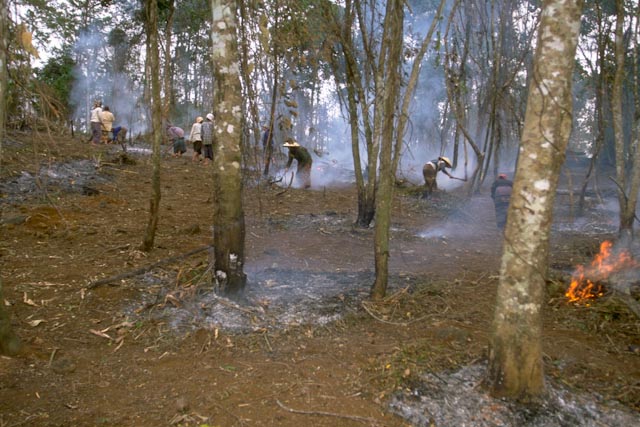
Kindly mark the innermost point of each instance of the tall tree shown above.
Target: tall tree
(229, 229)
(396, 111)
(153, 73)
(9, 343)
(388, 81)
(599, 72)
(168, 74)
(627, 158)
(515, 352)
(355, 71)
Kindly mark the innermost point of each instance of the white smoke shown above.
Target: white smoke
(95, 80)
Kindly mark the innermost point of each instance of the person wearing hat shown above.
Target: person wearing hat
(107, 118)
(501, 194)
(195, 136)
(299, 153)
(207, 139)
(430, 171)
(96, 123)
(176, 137)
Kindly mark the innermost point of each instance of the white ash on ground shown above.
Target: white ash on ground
(458, 399)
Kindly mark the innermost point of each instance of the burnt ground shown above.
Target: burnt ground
(306, 347)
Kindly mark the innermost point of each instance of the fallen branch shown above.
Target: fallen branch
(330, 414)
(143, 270)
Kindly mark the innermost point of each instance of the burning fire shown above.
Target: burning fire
(585, 281)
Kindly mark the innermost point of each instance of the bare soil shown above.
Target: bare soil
(150, 350)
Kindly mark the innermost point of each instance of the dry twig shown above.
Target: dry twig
(329, 414)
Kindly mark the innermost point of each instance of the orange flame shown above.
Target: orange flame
(584, 281)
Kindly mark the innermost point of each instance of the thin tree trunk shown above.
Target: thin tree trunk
(9, 343)
(229, 229)
(616, 108)
(599, 105)
(627, 199)
(628, 216)
(515, 352)
(156, 120)
(268, 149)
(168, 62)
(411, 87)
(388, 104)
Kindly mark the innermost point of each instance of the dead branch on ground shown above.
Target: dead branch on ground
(330, 414)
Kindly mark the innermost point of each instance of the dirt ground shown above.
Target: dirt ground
(115, 354)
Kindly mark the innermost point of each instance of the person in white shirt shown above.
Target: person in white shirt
(96, 123)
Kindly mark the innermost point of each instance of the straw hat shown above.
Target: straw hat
(290, 142)
(446, 161)
(199, 119)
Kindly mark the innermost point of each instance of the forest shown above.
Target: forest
(142, 283)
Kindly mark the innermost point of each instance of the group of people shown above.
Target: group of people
(500, 189)
(102, 129)
(201, 136)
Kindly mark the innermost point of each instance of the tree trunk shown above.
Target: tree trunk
(515, 354)
(9, 343)
(229, 230)
(389, 85)
(151, 23)
(627, 199)
(634, 186)
(603, 31)
(355, 75)
(268, 149)
(168, 62)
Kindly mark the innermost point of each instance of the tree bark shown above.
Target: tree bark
(627, 163)
(268, 149)
(356, 74)
(9, 343)
(168, 62)
(229, 229)
(515, 352)
(151, 25)
(388, 103)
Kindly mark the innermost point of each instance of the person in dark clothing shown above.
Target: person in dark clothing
(119, 135)
(302, 156)
(501, 194)
(266, 137)
(206, 132)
